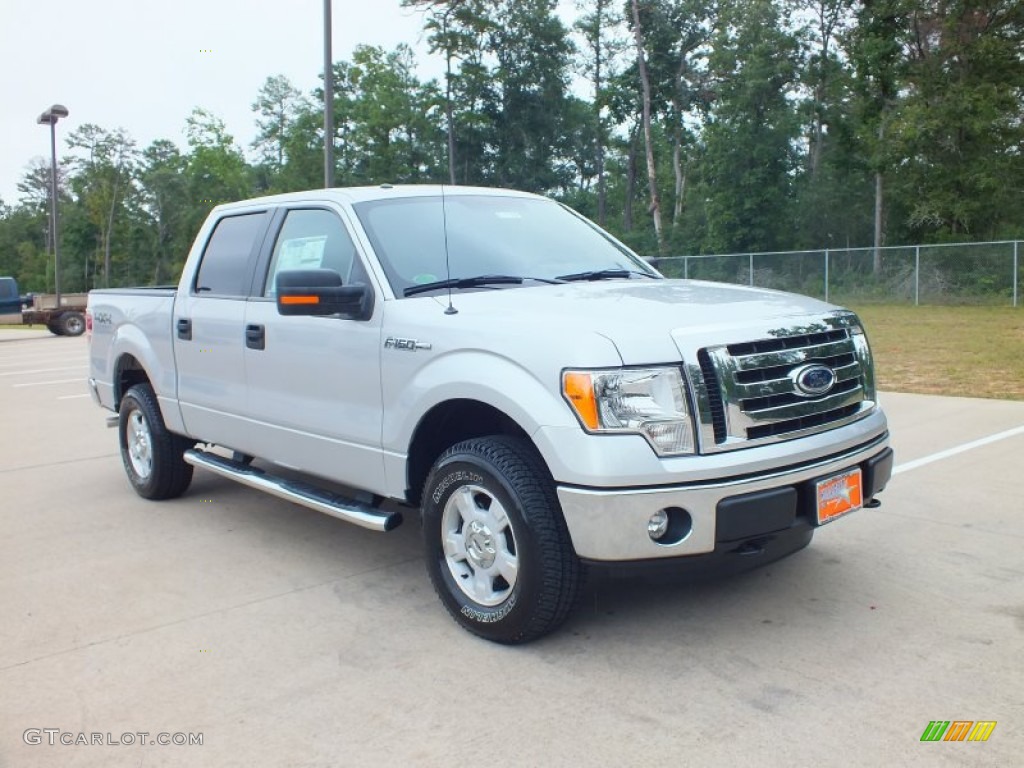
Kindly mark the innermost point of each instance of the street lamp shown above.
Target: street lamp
(50, 117)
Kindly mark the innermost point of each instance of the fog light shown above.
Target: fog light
(657, 526)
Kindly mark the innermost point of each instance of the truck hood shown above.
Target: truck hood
(649, 321)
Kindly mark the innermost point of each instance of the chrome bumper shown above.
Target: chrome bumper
(612, 524)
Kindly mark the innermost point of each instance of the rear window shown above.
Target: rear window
(226, 268)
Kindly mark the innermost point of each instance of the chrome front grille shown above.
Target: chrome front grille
(748, 393)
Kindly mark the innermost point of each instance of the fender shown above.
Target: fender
(131, 340)
(527, 393)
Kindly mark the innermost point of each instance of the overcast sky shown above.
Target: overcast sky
(141, 65)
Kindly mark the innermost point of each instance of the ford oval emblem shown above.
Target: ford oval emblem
(813, 380)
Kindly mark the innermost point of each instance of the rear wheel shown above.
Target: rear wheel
(54, 328)
(152, 456)
(71, 324)
(497, 549)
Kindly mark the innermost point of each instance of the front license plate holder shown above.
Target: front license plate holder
(838, 495)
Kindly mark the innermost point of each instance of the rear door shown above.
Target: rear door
(313, 383)
(208, 328)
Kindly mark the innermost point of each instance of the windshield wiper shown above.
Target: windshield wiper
(604, 274)
(472, 282)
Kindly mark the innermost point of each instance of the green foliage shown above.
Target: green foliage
(750, 141)
(772, 120)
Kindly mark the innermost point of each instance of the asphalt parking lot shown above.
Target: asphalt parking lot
(288, 638)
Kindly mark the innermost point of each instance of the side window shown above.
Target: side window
(313, 239)
(226, 266)
(7, 289)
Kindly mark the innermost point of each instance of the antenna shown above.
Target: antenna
(447, 260)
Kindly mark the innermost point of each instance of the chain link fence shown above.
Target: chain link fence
(954, 273)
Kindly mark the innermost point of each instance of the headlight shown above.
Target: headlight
(867, 363)
(646, 401)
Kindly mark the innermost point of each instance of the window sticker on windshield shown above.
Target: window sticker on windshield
(423, 279)
(301, 253)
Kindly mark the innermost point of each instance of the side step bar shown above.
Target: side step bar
(296, 491)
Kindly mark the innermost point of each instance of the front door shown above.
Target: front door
(313, 383)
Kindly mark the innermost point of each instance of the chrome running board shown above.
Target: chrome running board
(296, 491)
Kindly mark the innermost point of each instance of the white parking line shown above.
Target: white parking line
(72, 397)
(10, 362)
(924, 460)
(44, 383)
(42, 370)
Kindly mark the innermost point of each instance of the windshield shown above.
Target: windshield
(531, 238)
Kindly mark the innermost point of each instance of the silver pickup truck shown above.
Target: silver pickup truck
(543, 398)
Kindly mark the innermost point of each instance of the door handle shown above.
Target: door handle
(184, 329)
(255, 337)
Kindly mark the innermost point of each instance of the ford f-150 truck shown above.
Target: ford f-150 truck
(541, 396)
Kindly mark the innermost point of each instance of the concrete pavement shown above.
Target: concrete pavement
(287, 638)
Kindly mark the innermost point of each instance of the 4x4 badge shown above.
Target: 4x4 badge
(410, 345)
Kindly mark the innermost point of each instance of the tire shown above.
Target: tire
(54, 328)
(515, 576)
(152, 456)
(71, 324)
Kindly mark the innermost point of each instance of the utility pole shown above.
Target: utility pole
(328, 100)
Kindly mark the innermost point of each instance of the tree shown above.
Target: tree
(598, 27)
(645, 85)
(164, 205)
(392, 128)
(750, 154)
(533, 50)
(278, 104)
(104, 180)
(448, 23)
(215, 169)
(957, 127)
(877, 53)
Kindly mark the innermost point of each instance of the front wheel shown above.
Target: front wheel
(497, 548)
(152, 456)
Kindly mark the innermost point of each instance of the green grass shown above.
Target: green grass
(964, 351)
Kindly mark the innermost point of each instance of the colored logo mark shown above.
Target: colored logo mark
(958, 730)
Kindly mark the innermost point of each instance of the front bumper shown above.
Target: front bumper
(611, 524)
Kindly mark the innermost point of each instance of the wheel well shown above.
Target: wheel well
(443, 426)
(129, 373)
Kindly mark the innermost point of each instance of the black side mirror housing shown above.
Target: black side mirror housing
(320, 292)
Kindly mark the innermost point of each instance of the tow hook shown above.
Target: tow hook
(751, 547)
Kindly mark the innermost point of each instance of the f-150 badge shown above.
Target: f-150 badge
(409, 345)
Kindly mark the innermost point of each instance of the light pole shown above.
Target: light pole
(328, 100)
(50, 117)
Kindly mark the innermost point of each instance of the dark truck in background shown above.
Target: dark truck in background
(67, 319)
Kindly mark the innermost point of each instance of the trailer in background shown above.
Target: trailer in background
(65, 319)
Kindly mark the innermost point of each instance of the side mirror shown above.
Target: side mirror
(320, 292)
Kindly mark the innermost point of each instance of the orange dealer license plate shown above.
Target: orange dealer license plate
(838, 495)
